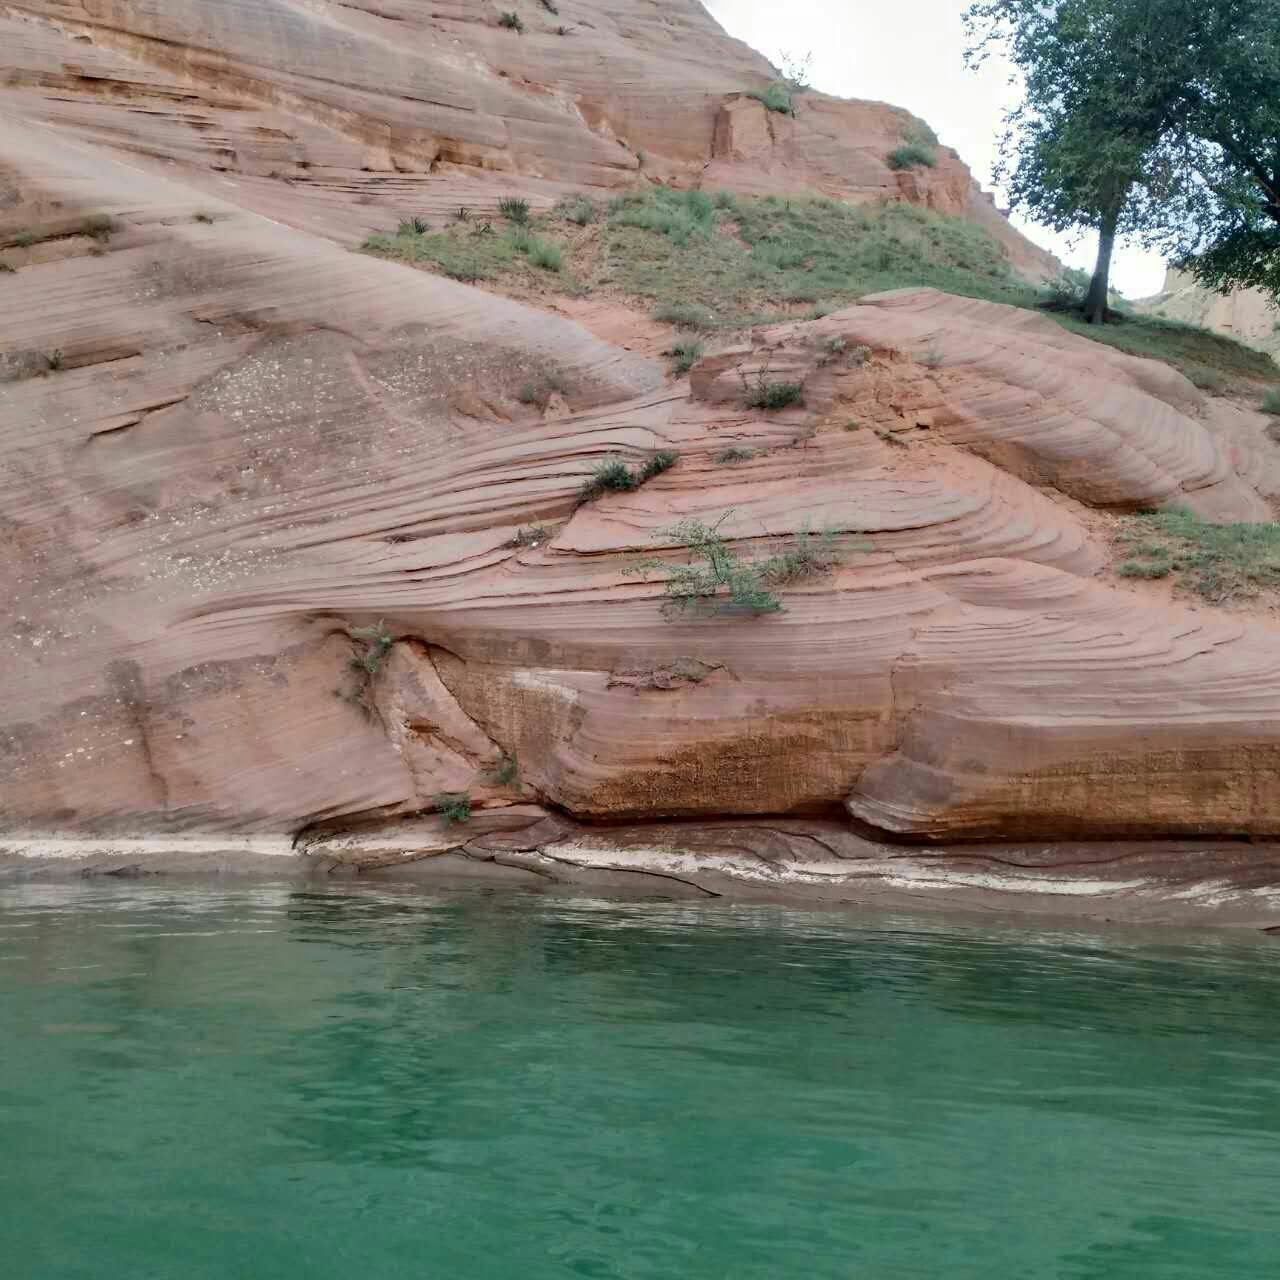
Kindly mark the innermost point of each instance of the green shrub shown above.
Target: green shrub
(453, 806)
(1067, 290)
(806, 555)
(544, 254)
(1271, 401)
(685, 315)
(377, 642)
(25, 239)
(679, 215)
(773, 395)
(687, 353)
(611, 475)
(506, 771)
(413, 226)
(533, 535)
(1156, 567)
(911, 155)
(514, 209)
(511, 20)
(580, 212)
(714, 581)
(100, 226)
(775, 98)
(735, 455)
(54, 359)
(653, 466)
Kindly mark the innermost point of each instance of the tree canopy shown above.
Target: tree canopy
(1153, 118)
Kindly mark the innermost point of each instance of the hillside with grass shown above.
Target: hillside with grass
(716, 262)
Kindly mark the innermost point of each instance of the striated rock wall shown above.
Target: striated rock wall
(238, 462)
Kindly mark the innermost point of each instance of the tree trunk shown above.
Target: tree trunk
(1095, 304)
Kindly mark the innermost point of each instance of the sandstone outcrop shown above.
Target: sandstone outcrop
(288, 552)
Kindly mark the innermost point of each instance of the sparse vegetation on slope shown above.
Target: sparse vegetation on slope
(718, 261)
(1216, 561)
(612, 475)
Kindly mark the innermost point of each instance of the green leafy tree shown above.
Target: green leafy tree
(1226, 219)
(1093, 143)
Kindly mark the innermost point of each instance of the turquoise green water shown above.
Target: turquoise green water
(267, 1081)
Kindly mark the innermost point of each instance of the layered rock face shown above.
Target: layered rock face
(1248, 315)
(287, 551)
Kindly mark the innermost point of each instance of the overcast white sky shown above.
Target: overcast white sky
(911, 53)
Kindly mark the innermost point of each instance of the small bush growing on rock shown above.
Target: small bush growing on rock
(514, 209)
(687, 353)
(6, 268)
(506, 771)
(377, 641)
(539, 391)
(201, 216)
(773, 395)
(806, 555)
(413, 225)
(100, 227)
(653, 466)
(453, 806)
(775, 98)
(533, 535)
(562, 31)
(1271, 402)
(612, 475)
(54, 359)
(795, 70)
(714, 581)
(512, 21)
(735, 455)
(25, 239)
(911, 155)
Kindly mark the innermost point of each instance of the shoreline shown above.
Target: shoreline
(1174, 883)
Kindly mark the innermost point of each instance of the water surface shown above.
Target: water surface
(268, 1081)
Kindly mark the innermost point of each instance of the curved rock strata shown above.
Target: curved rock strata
(292, 548)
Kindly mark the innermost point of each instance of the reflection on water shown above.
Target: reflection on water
(274, 1081)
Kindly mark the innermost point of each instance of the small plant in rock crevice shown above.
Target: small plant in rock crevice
(612, 475)
(54, 359)
(763, 392)
(511, 21)
(453, 806)
(101, 226)
(735, 454)
(533, 535)
(775, 98)
(25, 239)
(538, 391)
(686, 353)
(507, 771)
(374, 642)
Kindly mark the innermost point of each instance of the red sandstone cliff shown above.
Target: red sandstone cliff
(257, 442)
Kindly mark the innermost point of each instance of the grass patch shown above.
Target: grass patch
(1216, 561)
(544, 254)
(413, 226)
(911, 155)
(538, 391)
(506, 771)
(687, 352)
(453, 806)
(729, 456)
(706, 262)
(777, 97)
(514, 209)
